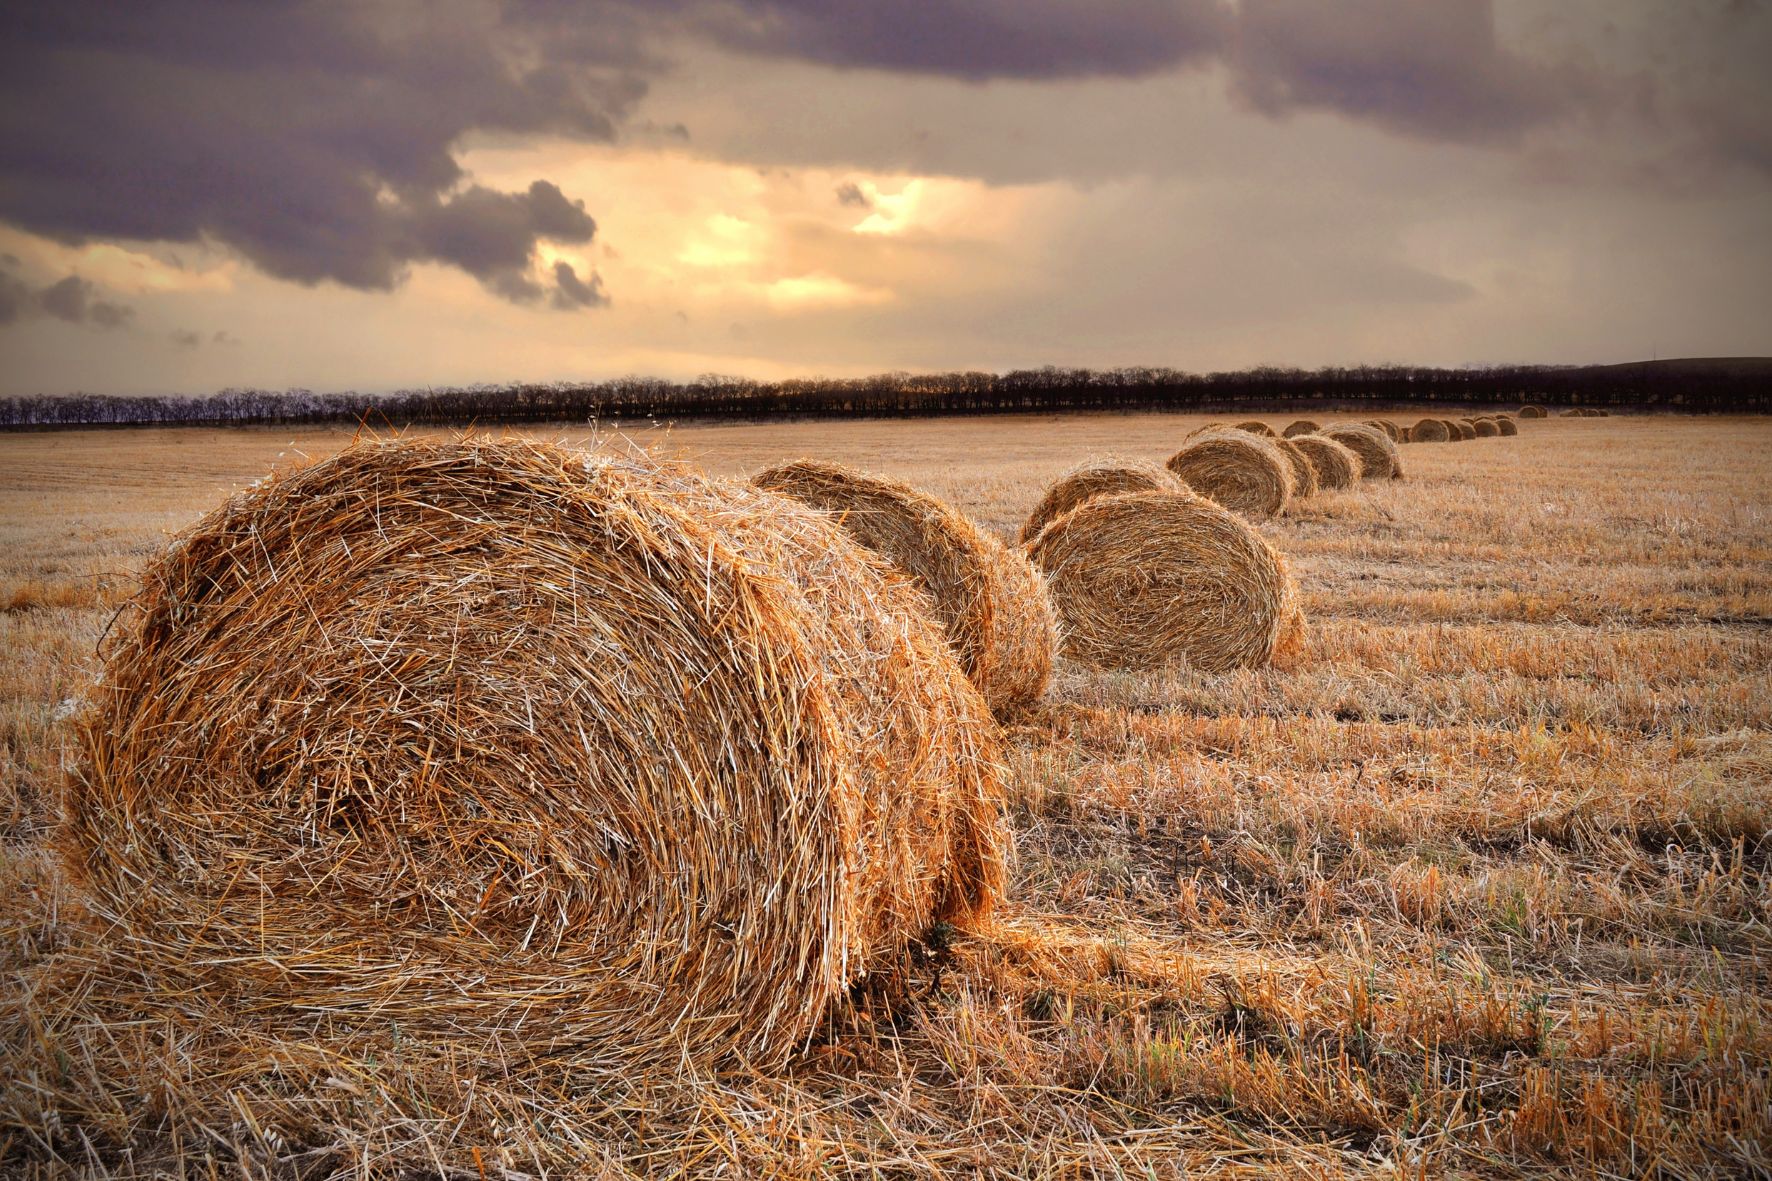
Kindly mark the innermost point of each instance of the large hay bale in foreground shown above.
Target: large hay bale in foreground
(1506, 425)
(1485, 428)
(1430, 430)
(1304, 473)
(1098, 477)
(1145, 578)
(522, 750)
(1530, 411)
(1379, 458)
(1256, 427)
(991, 602)
(1303, 426)
(1337, 467)
(1243, 472)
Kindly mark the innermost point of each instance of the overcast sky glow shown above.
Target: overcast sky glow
(196, 194)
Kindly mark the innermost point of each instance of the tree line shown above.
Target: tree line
(1698, 387)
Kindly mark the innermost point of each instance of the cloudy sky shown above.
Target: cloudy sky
(348, 195)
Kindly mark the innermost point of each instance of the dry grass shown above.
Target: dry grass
(990, 601)
(1477, 885)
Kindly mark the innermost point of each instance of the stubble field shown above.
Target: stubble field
(1479, 883)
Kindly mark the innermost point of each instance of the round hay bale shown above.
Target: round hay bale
(1379, 458)
(1303, 426)
(1098, 477)
(1485, 428)
(527, 751)
(1304, 473)
(1572, 412)
(1389, 429)
(991, 602)
(1530, 411)
(1506, 425)
(1256, 427)
(1430, 430)
(1145, 578)
(1464, 429)
(1243, 472)
(1337, 467)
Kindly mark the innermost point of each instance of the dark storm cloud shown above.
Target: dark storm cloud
(315, 139)
(849, 193)
(981, 39)
(319, 140)
(184, 338)
(71, 299)
(571, 292)
(1431, 70)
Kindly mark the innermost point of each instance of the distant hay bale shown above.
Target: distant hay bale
(526, 751)
(1430, 430)
(1530, 411)
(1389, 429)
(1379, 458)
(1304, 473)
(1303, 426)
(1506, 425)
(1572, 412)
(1485, 428)
(1142, 579)
(1243, 472)
(1100, 477)
(991, 602)
(1336, 466)
(1256, 427)
(1462, 429)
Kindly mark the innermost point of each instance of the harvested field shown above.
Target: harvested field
(1476, 884)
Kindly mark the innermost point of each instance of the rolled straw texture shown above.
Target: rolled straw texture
(1098, 477)
(1379, 457)
(1304, 472)
(1337, 466)
(1243, 472)
(1144, 579)
(991, 601)
(523, 751)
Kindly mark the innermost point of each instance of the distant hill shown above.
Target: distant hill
(1697, 366)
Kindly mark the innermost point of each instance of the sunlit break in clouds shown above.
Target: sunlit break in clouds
(196, 195)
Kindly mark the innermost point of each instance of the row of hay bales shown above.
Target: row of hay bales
(504, 743)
